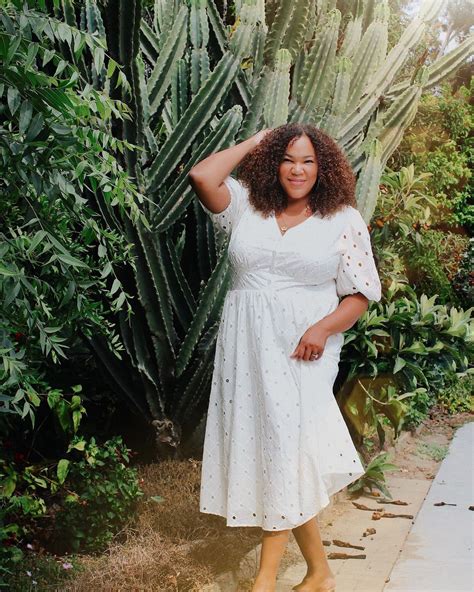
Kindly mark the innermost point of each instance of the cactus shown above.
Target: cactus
(276, 107)
(199, 112)
(367, 186)
(370, 54)
(171, 51)
(197, 86)
(316, 81)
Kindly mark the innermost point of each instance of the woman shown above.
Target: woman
(276, 445)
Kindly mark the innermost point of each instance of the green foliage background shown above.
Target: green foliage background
(105, 106)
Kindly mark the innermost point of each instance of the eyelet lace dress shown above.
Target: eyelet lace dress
(276, 445)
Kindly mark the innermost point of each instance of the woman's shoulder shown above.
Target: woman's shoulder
(349, 211)
(238, 191)
(346, 219)
(349, 214)
(346, 213)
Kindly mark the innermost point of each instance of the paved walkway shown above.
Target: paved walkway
(438, 552)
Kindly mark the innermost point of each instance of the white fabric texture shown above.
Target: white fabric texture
(276, 445)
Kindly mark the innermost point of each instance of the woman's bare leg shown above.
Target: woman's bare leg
(273, 547)
(319, 576)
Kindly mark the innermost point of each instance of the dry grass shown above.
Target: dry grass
(172, 546)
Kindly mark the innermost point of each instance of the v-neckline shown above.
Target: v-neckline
(282, 235)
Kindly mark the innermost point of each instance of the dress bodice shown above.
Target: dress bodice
(325, 253)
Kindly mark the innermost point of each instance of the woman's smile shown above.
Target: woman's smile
(298, 168)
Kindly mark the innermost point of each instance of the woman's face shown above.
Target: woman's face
(298, 170)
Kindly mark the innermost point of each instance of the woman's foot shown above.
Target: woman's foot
(317, 582)
(264, 584)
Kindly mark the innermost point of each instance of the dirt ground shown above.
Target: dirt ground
(173, 547)
(421, 455)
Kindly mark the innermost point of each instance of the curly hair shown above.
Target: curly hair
(258, 172)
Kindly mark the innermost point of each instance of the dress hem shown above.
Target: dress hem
(292, 526)
(246, 525)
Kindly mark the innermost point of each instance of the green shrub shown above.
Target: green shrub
(414, 338)
(450, 181)
(374, 476)
(412, 341)
(457, 395)
(463, 281)
(28, 481)
(440, 142)
(410, 250)
(433, 262)
(58, 170)
(76, 498)
(40, 572)
(101, 495)
(418, 410)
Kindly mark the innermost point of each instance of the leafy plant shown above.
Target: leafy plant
(374, 476)
(418, 409)
(369, 403)
(410, 250)
(26, 487)
(432, 264)
(396, 358)
(101, 495)
(451, 174)
(416, 339)
(403, 207)
(64, 194)
(457, 395)
(75, 499)
(439, 141)
(463, 281)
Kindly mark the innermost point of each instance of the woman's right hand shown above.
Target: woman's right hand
(258, 137)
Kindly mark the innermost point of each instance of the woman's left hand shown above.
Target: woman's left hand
(313, 341)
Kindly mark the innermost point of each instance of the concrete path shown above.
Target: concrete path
(438, 552)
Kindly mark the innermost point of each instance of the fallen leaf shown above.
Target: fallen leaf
(363, 507)
(339, 543)
(345, 556)
(369, 531)
(389, 515)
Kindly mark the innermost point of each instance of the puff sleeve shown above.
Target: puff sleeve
(227, 220)
(357, 271)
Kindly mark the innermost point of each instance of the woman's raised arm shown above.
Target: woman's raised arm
(207, 176)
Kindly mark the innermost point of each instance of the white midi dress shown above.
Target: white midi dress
(276, 445)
